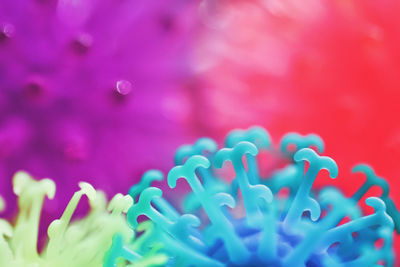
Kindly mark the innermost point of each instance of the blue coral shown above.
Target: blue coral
(259, 226)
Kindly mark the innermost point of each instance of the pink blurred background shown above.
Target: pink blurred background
(325, 67)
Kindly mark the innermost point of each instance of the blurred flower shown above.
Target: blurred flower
(86, 89)
(83, 242)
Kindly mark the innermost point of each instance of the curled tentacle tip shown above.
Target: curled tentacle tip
(376, 203)
(205, 144)
(224, 199)
(372, 178)
(245, 147)
(319, 162)
(120, 202)
(190, 220)
(54, 228)
(152, 175)
(187, 169)
(143, 205)
(314, 208)
(149, 194)
(88, 190)
(334, 197)
(147, 179)
(236, 152)
(300, 142)
(263, 193)
(20, 180)
(49, 187)
(365, 168)
(256, 135)
(201, 146)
